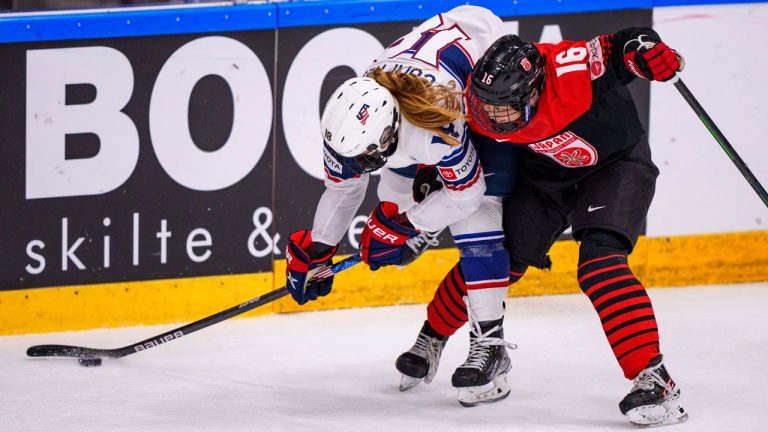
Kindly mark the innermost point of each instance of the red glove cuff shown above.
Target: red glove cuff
(389, 209)
(297, 251)
(387, 225)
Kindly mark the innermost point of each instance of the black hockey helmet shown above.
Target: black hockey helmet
(509, 73)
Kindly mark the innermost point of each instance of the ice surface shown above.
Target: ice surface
(334, 371)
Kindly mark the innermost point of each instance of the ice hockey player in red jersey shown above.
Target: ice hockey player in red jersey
(587, 165)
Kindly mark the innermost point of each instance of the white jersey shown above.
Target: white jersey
(443, 50)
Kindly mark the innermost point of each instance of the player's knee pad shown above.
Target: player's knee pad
(484, 264)
(516, 271)
(598, 242)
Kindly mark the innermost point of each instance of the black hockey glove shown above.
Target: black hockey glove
(425, 182)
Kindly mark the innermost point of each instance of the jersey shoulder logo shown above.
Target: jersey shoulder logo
(567, 149)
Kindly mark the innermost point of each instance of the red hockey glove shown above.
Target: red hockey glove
(305, 259)
(383, 240)
(652, 59)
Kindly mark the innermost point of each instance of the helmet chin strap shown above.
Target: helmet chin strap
(392, 145)
(527, 113)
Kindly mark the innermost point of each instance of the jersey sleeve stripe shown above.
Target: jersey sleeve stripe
(437, 140)
(334, 169)
(460, 185)
(455, 156)
(461, 168)
(332, 178)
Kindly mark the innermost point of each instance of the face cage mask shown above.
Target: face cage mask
(365, 163)
(375, 159)
(483, 120)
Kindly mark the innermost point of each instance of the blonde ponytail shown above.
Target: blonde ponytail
(426, 105)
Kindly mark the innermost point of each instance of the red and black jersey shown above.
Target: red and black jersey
(586, 116)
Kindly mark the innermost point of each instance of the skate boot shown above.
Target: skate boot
(654, 399)
(421, 361)
(483, 376)
(417, 245)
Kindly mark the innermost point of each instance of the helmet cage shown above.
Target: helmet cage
(376, 155)
(508, 75)
(484, 121)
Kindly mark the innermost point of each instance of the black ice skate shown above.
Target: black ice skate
(483, 376)
(654, 399)
(421, 361)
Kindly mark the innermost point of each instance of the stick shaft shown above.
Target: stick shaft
(75, 351)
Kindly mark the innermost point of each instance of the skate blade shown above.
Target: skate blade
(407, 382)
(667, 413)
(494, 391)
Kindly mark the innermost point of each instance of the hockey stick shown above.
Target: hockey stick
(720, 138)
(92, 356)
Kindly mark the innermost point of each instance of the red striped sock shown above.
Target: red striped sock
(624, 308)
(447, 312)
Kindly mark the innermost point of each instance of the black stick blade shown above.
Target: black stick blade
(64, 351)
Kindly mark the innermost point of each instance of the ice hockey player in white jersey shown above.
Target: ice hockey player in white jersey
(407, 111)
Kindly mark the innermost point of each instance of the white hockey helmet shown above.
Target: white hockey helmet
(360, 124)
